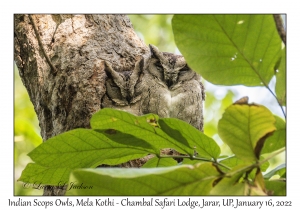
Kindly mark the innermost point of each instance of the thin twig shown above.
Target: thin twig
(256, 164)
(54, 70)
(276, 100)
(194, 158)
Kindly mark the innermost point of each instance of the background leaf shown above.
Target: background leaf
(182, 180)
(279, 170)
(246, 47)
(277, 187)
(278, 139)
(230, 186)
(242, 126)
(280, 87)
(234, 161)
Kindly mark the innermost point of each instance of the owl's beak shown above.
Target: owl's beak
(170, 78)
(169, 82)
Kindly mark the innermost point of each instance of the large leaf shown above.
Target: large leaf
(230, 186)
(144, 127)
(36, 174)
(159, 162)
(234, 161)
(237, 183)
(281, 80)
(81, 148)
(203, 145)
(276, 187)
(87, 148)
(244, 128)
(229, 49)
(182, 180)
(278, 139)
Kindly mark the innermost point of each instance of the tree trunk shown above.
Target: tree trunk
(61, 63)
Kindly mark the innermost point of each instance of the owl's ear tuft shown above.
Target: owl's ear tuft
(154, 51)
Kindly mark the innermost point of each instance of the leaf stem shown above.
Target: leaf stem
(272, 155)
(257, 163)
(195, 158)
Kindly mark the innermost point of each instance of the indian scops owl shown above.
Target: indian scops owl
(120, 89)
(169, 88)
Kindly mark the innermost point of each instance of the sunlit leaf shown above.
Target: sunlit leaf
(230, 186)
(278, 139)
(144, 127)
(235, 183)
(244, 127)
(81, 148)
(234, 161)
(87, 148)
(179, 130)
(159, 162)
(229, 49)
(259, 187)
(191, 162)
(281, 80)
(276, 187)
(182, 180)
(37, 175)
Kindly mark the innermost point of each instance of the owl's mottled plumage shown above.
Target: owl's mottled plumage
(170, 88)
(120, 88)
(164, 85)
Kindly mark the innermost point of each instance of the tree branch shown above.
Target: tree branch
(54, 70)
(280, 28)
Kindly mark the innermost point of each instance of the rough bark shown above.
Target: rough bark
(61, 63)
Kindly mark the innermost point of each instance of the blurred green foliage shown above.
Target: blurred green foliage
(156, 30)
(26, 134)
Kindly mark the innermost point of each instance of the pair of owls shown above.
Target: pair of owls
(163, 85)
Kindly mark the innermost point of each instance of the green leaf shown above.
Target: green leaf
(281, 80)
(230, 186)
(36, 174)
(276, 187)
(279, 170)
(258, 187)
(278, 139)
(265, 165)
(246, 47)
(182, 180)
(188, 161)
(160, 162)
(87, 148)
(234, 161)
(244, 127)
(144, 127)
(182, 131)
